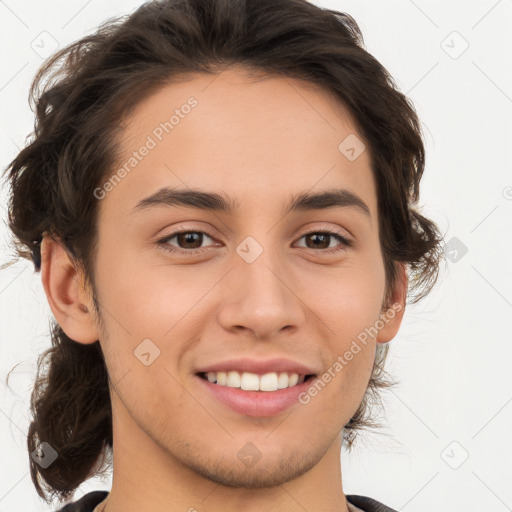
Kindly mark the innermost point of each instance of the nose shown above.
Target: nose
(259, 297)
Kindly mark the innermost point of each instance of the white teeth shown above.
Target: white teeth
(249, 382)
(294, 378)
(282, 381)
(268, 382)
(233, 380)
(253, 382)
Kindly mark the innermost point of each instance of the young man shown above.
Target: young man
(220, 198)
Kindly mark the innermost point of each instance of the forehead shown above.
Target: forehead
(252, 136)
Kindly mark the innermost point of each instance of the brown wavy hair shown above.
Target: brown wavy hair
(83, 91)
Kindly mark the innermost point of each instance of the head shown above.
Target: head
(257, 102)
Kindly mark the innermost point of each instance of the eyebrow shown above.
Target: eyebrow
(211, 201)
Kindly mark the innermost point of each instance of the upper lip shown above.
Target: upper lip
(259, 366)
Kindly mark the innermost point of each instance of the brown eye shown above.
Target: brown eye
(321, 240)
(188, 242)
(318, 240)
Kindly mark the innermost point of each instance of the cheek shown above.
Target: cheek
(351, 300)
(136, 291)
(151, 301)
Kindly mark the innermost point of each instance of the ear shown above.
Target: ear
(64, 287)
(394, 307)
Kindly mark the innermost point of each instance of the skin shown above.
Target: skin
(259, 141)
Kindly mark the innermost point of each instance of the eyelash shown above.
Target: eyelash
(163, 242)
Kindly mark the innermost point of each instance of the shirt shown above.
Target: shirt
(356, 503)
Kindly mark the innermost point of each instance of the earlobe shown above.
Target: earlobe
(65, 292)
(392, 315)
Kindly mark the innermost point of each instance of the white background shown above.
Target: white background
(452, 355)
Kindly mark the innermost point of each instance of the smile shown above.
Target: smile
(265, 396)
(253, 382)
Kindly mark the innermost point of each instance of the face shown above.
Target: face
(246, 290)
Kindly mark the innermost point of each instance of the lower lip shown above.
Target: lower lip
(257, 403)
